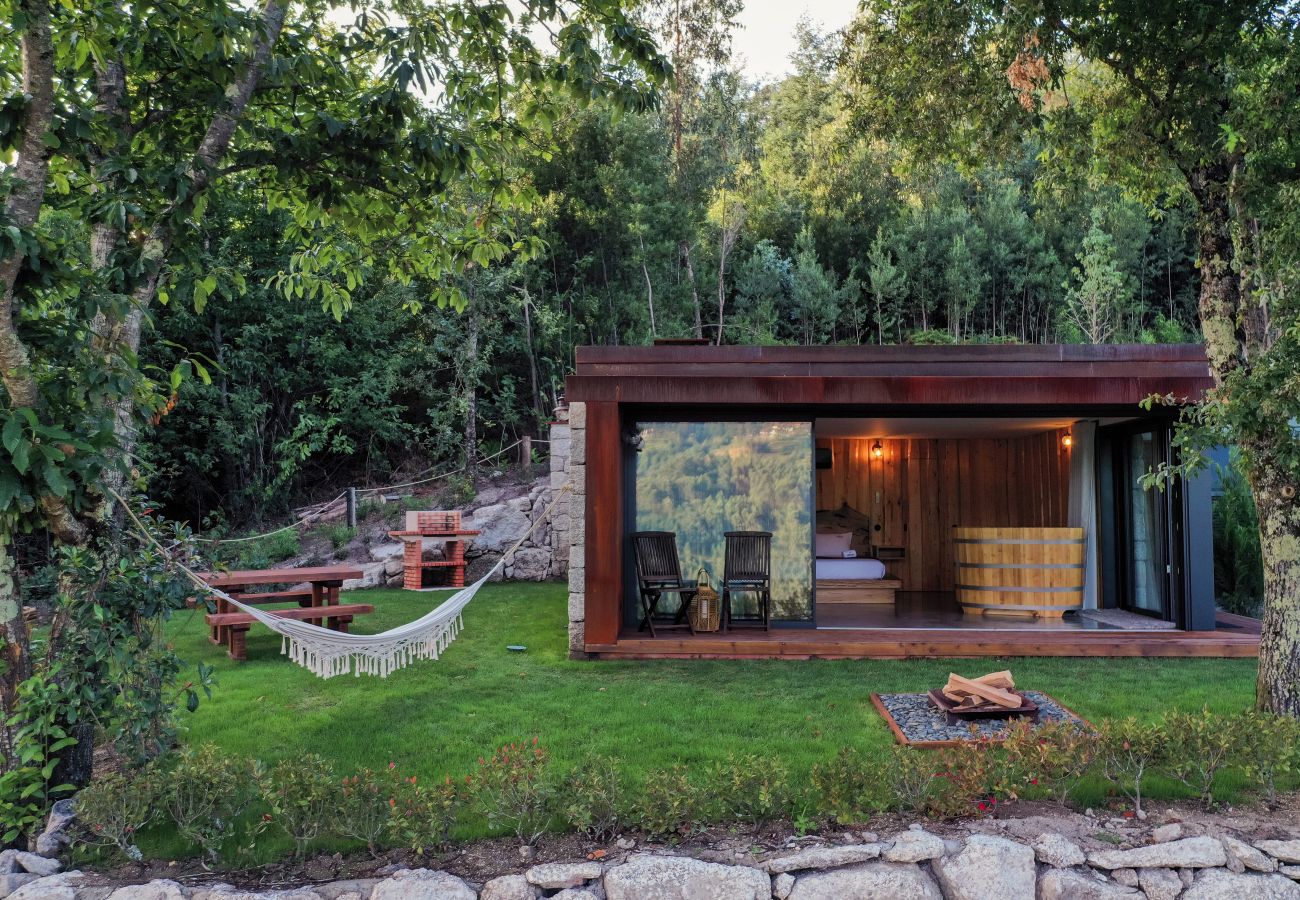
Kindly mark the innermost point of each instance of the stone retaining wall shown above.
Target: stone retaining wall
(912, 865)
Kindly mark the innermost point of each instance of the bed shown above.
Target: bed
(850, 579)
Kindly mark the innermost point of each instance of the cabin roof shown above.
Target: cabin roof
(992, 376)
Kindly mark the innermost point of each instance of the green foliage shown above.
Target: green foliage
(421, 815)
(302, 794)
(513, 790)
(848, 786)
(672, 804)
(1238, 566)
(367, 808)
(1127, 752)
(261, 553)
(39, 734)
(1268, 751)
(113, 809)
(592, 799)
(1054, 756)
(749, 788)
(206, 792)
(1200, 745)
(339, 537)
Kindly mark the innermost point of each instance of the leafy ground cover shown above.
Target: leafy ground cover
(438, 718)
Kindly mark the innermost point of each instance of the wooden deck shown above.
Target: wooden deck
(1236, 636)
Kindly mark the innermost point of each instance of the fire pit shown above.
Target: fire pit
(991, 696)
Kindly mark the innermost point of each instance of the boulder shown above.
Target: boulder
(1248, 856)
(782, 885)
(226, 892)
(574, 894)
(500, 525)
(422, 884)
(1218, 884)
(1163, 834)
(153, 890)
(1292, 872)
(823, 858)
(32, 863)
(555, 876)
(1194, 853)
(55, 836)
(53, 887)
(372, 575)
(509, 887)
(1058, 850)
(682, 878)
(1160, 884)
(1126, 877)
(530, 564)
(868, 881)
(388, 550)
(987, 868)
(914, 845)
(12, 881)
(1283, 851)
(345, 890)
(1070, 884)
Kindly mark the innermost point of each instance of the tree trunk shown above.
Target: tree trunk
(1237, 332)
(649, 290)
(695, 294)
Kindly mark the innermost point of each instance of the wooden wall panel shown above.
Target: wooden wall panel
(604, 523)
(921, 488)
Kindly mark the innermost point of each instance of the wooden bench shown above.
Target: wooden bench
(234, 626)
(261, 598)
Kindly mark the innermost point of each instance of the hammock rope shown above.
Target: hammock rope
(328, 653)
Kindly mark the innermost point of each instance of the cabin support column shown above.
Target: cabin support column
(575, 475)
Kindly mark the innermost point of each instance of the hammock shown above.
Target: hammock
(328, 653)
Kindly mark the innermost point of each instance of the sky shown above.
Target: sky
(765, 36)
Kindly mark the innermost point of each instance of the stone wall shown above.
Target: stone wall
(577, 532)
(1023, 863)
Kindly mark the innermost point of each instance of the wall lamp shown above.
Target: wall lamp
(1067, 440)
(878, 450)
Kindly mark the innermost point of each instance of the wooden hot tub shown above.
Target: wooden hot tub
(1019, 571)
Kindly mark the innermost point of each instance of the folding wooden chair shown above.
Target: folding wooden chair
(659, 572)
(748, 570)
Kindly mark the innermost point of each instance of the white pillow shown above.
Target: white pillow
(832, 546)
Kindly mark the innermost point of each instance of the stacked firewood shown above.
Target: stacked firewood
(996, 689)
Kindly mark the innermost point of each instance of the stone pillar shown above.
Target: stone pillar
(561, 455)
(576, 529)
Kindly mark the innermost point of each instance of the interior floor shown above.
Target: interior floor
(939, 609)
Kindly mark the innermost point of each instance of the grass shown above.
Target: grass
(436, 718)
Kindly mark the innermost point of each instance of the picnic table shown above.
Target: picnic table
(315, 590)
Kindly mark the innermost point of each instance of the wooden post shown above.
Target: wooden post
(352, 507)
(526, 454)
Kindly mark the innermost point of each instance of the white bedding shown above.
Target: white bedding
(851, 569)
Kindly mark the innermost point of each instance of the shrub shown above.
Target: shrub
(748, 788)
(339, 537)
(1270, 749)
(909, 778)
(1053, 756)
(302, 795)
(671, 805)
(513, 792)
(968, 779)
(205, 794)
(1199, 746)
(262, 553)
(365, 808)
(1127, 751)
(594, 799)
(845, 786)
(113, 810)
(420, 816)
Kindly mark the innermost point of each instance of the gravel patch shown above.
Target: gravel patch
(920, 722)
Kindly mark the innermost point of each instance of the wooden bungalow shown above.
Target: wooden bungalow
(916, 501)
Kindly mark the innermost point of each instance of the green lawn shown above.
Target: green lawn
(438, 717)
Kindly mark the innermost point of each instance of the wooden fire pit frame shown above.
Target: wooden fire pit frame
(903, 739)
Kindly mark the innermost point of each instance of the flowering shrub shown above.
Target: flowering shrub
(364, 809)
(1269, 750)
(1052, 757)
(421, 816)
(1200, 745)
(513, 791)
(1127, 751)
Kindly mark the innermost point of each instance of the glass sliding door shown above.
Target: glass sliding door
(1145, 526)
(701, 479)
